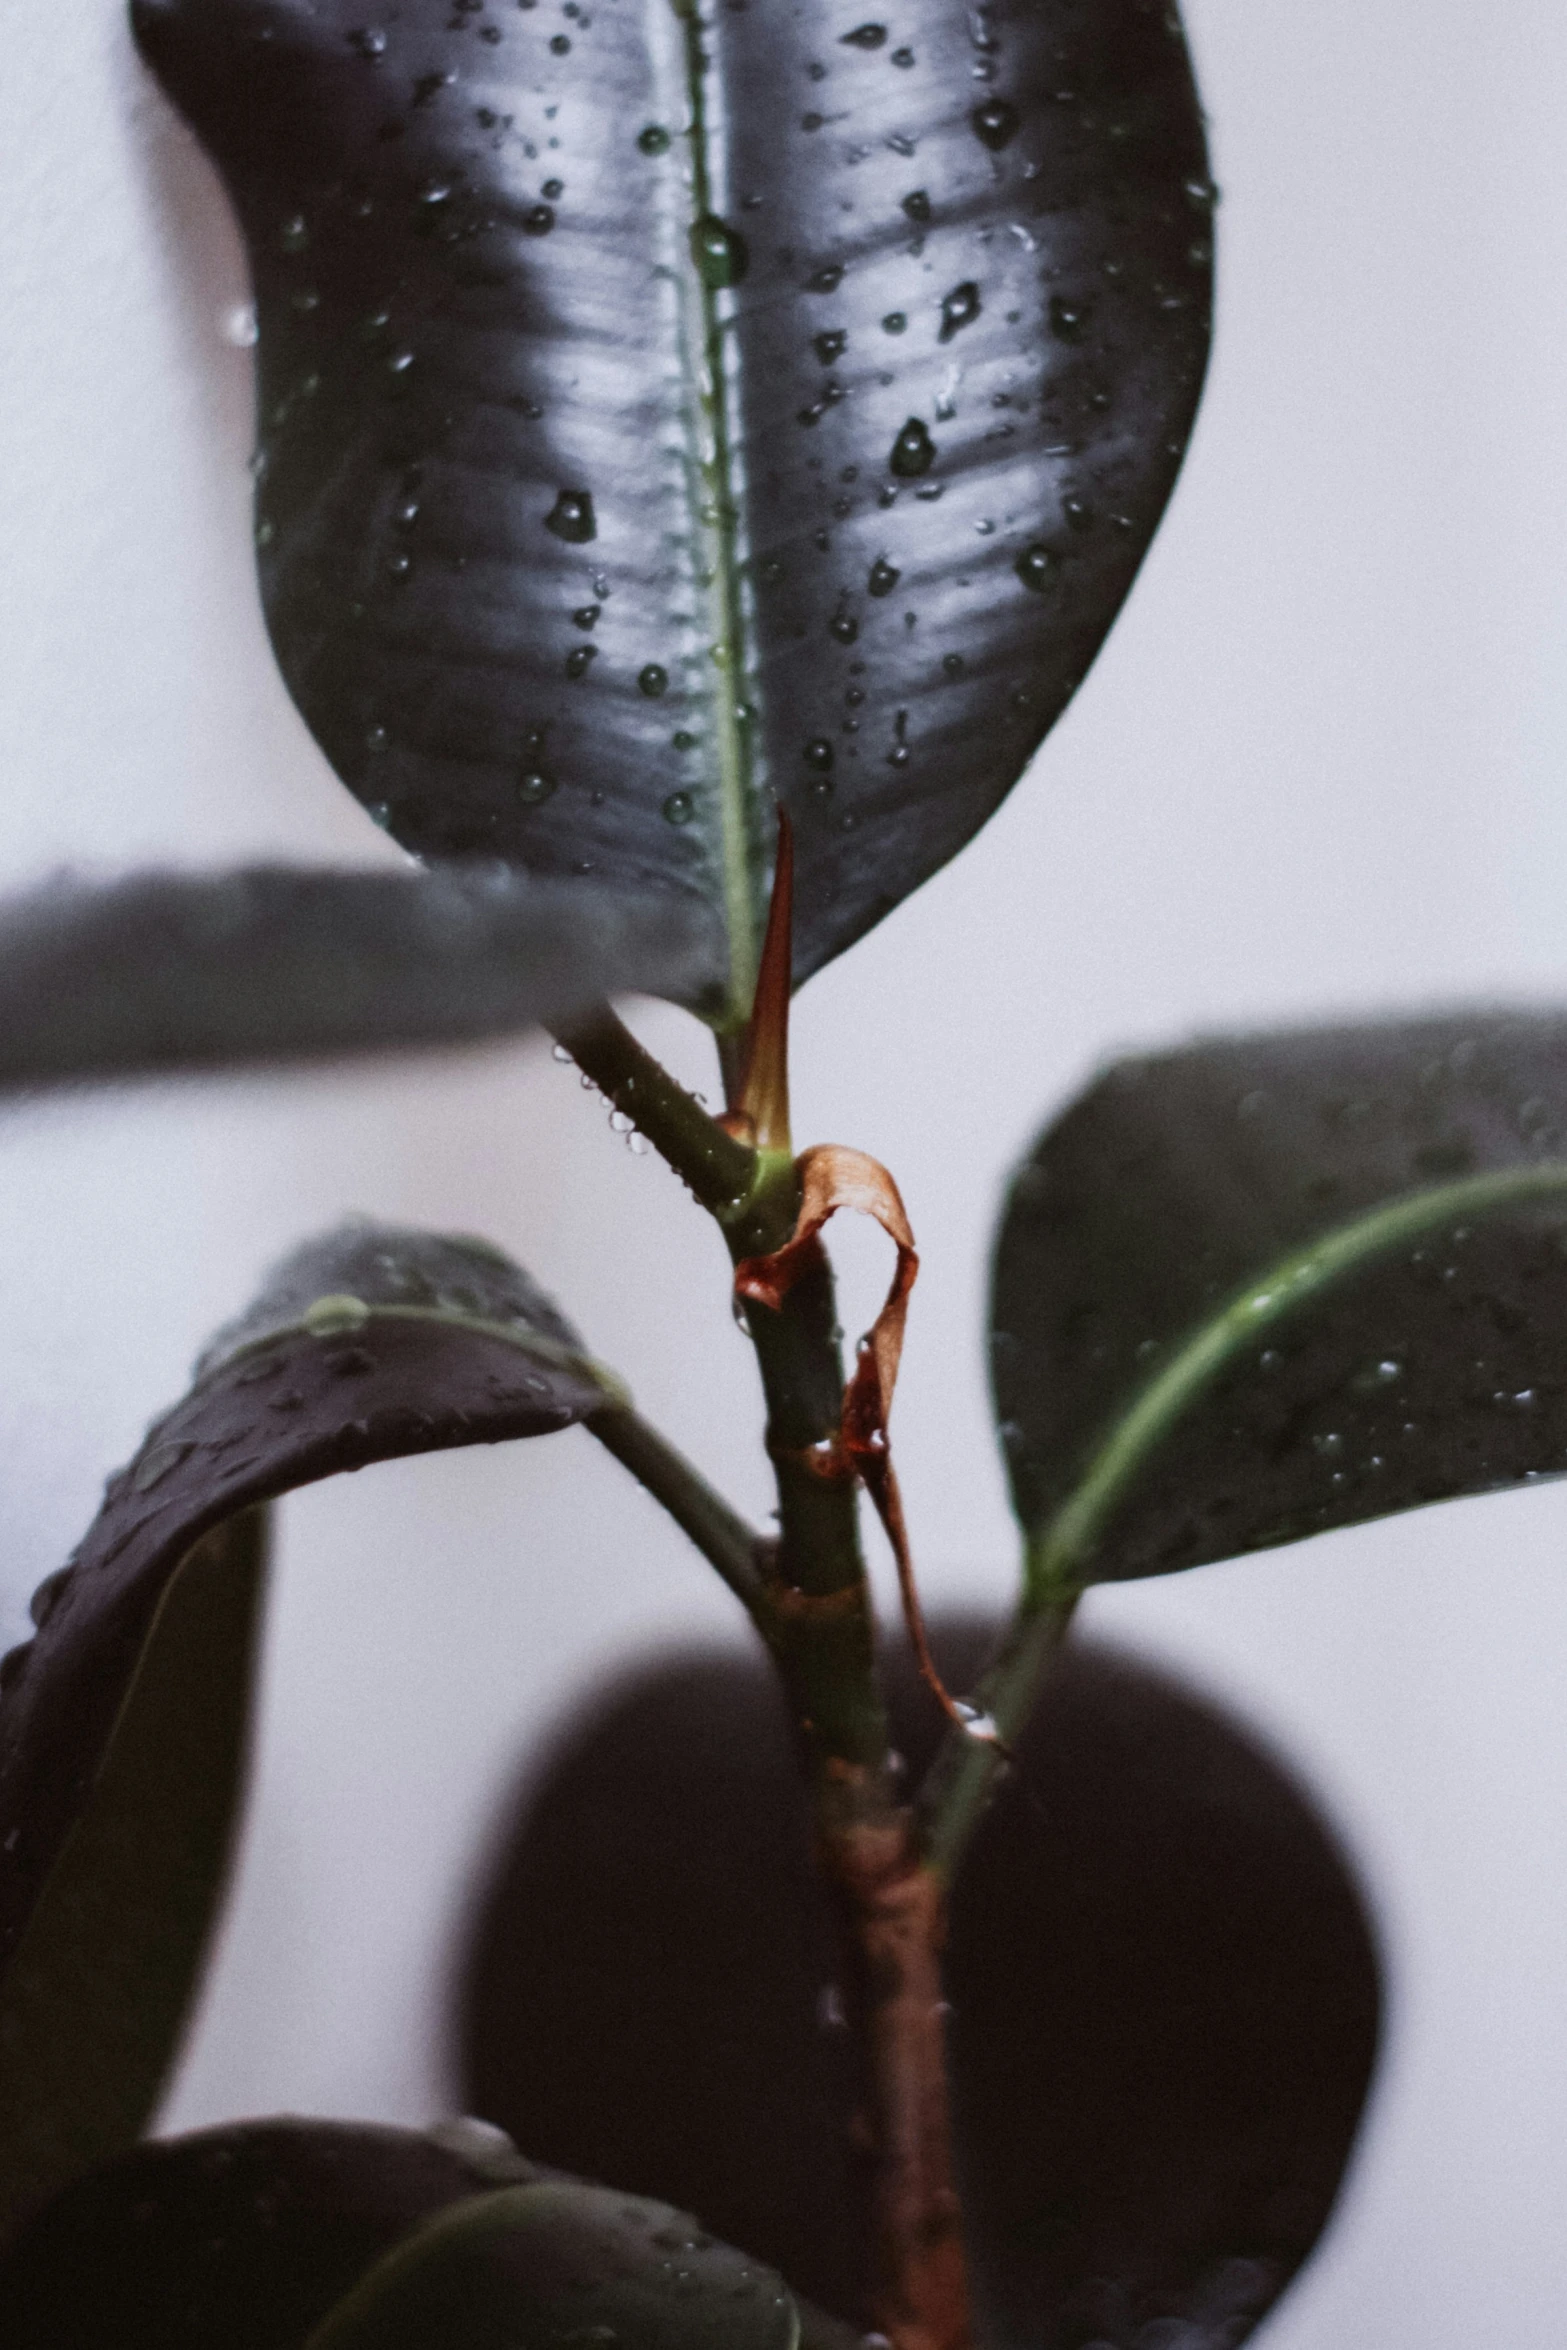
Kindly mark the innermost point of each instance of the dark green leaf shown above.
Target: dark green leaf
(1259, 1288)
(1164, 1997)
(240, 2238)
(663, 416)
(171, 971)
(94, 1999)
(366, 1346)
(558, 2266)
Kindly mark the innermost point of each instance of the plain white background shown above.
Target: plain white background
(1318, 768)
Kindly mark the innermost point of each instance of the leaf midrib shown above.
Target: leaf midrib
(718, 540)
(1055, 1554)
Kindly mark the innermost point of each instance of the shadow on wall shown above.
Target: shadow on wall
(1165, 1998)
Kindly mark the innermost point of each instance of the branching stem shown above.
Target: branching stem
(719, 1532)
(718, 1170)
(810, 1597)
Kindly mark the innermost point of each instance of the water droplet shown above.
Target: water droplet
(572, 518)
(827, 279)
(333, 1314)
(535, 787)
(894, 323)
(266, 532)
(538, 220)
(238, 325)
(913, 452)
(830, 346)
(996, 124)
(580, 660)
(1069, 315)
(370, 43)
(719, 251)
(560, 44)
(1079, 514)
(654, 140)
(917, 205)
(811, 122)
(884, 577)
(683, 741)
(552, 189)
(959, 309)
(953, 664)
(653, 681)
(864, 36)
(294, 235)
(903, 57)
(558, 1052)
(1036, 567)
(679, 808)
(585, 616)
(818, 754)
(843, 625)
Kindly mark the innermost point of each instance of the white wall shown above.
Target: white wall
(1316, 769)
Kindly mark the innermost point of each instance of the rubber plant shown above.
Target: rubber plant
(700, 451)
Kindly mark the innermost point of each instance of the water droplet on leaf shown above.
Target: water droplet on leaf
(330, 1315)
(572, 518)
(719, 251)
(653, 681)
(1035, 567)
(654, 140)
(884, 577)
(864, 36)
(157, 1463)
(679, 808)
(913, 452)
(959, 309)
(535, 787)
(996, 124)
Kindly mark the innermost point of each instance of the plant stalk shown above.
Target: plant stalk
(810, 1597)
(966, 1774)
(719, 1532)
(717, 1169)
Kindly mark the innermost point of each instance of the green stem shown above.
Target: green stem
(822, 1622)
(719, 1532)
(966, 1774)
(719, 1171)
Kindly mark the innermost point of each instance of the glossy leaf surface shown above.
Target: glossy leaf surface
(244, 2237)
(370, 1345)
(174, 971)
(661, 416)
(1264, 1287)
(1163, 1985)
(530, 2268)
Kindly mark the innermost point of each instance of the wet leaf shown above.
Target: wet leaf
(243, 2237)
(1258, 1288)
(662, 417)
(561, 2263)
(174, 971)
(1164, 1988)
(368, 1345)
